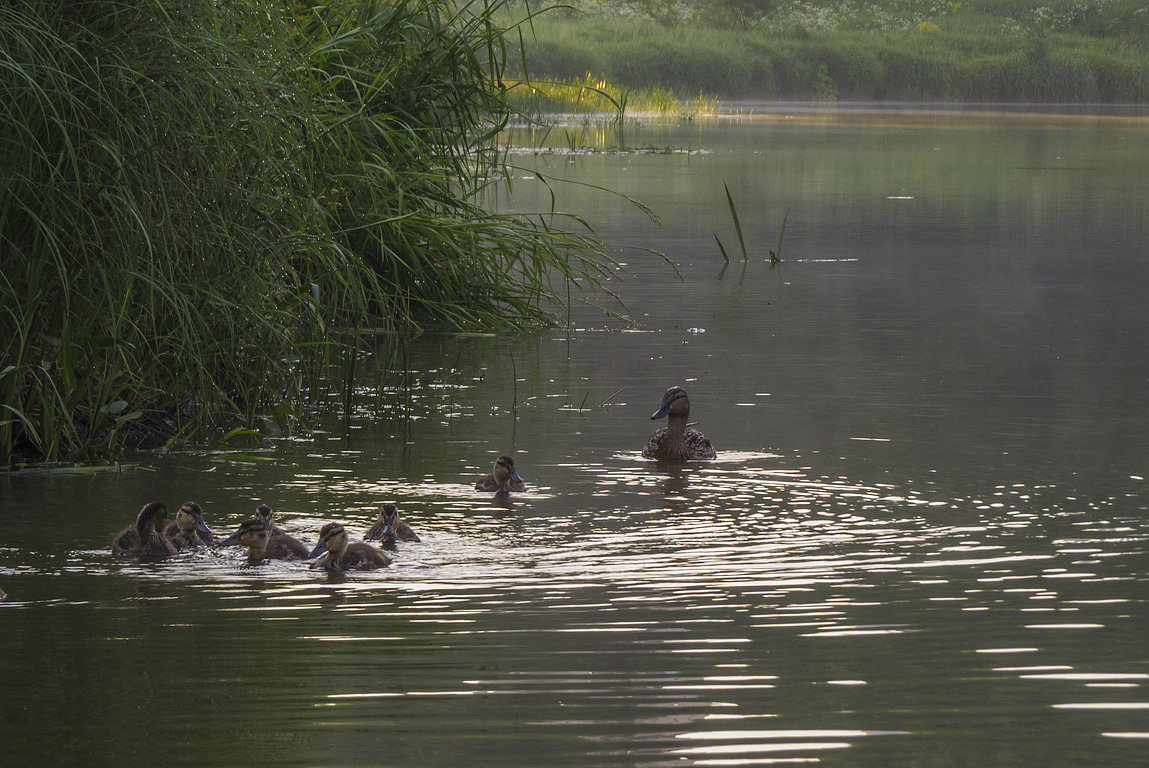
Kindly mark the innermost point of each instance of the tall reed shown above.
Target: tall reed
(196, 198)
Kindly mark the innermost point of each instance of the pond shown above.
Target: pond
(923, 541)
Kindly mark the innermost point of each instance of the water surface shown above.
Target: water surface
(923, 541)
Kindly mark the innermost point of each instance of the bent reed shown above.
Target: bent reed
(203, 205)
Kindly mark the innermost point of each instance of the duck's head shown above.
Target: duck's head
(505, 469)
(388, 516)
(264, 513)
(189, 517)
(674, 404)
(332, 538)
(151, 519)
(252, 534)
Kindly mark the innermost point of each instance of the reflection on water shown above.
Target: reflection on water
(922, 542)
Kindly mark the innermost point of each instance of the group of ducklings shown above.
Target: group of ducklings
(150, 537)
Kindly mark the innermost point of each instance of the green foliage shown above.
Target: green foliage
(196, 197)
(937, 50)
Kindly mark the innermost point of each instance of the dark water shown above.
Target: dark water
(923, 542)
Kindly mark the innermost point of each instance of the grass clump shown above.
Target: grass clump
(198, 200)
(590, 95)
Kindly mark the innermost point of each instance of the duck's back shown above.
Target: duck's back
(362, 557)
(280, 546)
(127, 542)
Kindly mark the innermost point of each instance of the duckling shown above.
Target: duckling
(254, 535)
(189, 531)
(279, 545)
(503, 477)
(389, 527)
(145, 538)
(341, 556)
(676, 441)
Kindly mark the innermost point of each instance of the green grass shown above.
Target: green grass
(201, 204)
(1061, 51)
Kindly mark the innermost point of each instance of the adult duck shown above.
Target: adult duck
(676, 441)
(189, 531)
(145, 538)
(339, 555)
(503, 477)
(389, 527)
(279, 545)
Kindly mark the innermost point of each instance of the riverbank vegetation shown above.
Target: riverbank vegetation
(205, 206)
(1068, 51)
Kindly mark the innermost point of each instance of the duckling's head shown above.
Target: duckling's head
(253, 534)
(332, 538)
(505, 469)
(151, 519)
(189, 517)
(674, 404)
(262, 514)
(388, 515)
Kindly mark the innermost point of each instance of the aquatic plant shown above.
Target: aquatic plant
(200, 205)
(737, 228)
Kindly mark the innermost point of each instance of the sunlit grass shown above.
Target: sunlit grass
(595, 95)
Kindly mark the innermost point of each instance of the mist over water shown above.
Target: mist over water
(923, 540)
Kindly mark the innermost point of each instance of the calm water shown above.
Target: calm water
(923, 542)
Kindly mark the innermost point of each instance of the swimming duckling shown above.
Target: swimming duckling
(389, 527)
(279, 545)
(189, 531)
(254, 535)
(342, 556)
(503, 477)
(145, 538)
(676, 441)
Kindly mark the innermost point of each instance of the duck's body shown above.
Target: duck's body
(279, 545)
(145, 538)
(676, 441)
(340, 555)
(389, 528)
(189, 531)
(503, 477)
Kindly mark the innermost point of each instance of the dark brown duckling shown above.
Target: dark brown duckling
(389, 527)
(279, 545)
(503, 477)
(676, 441)
(254, 535)
(342, 556)
(145, 538)
(189, 531)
